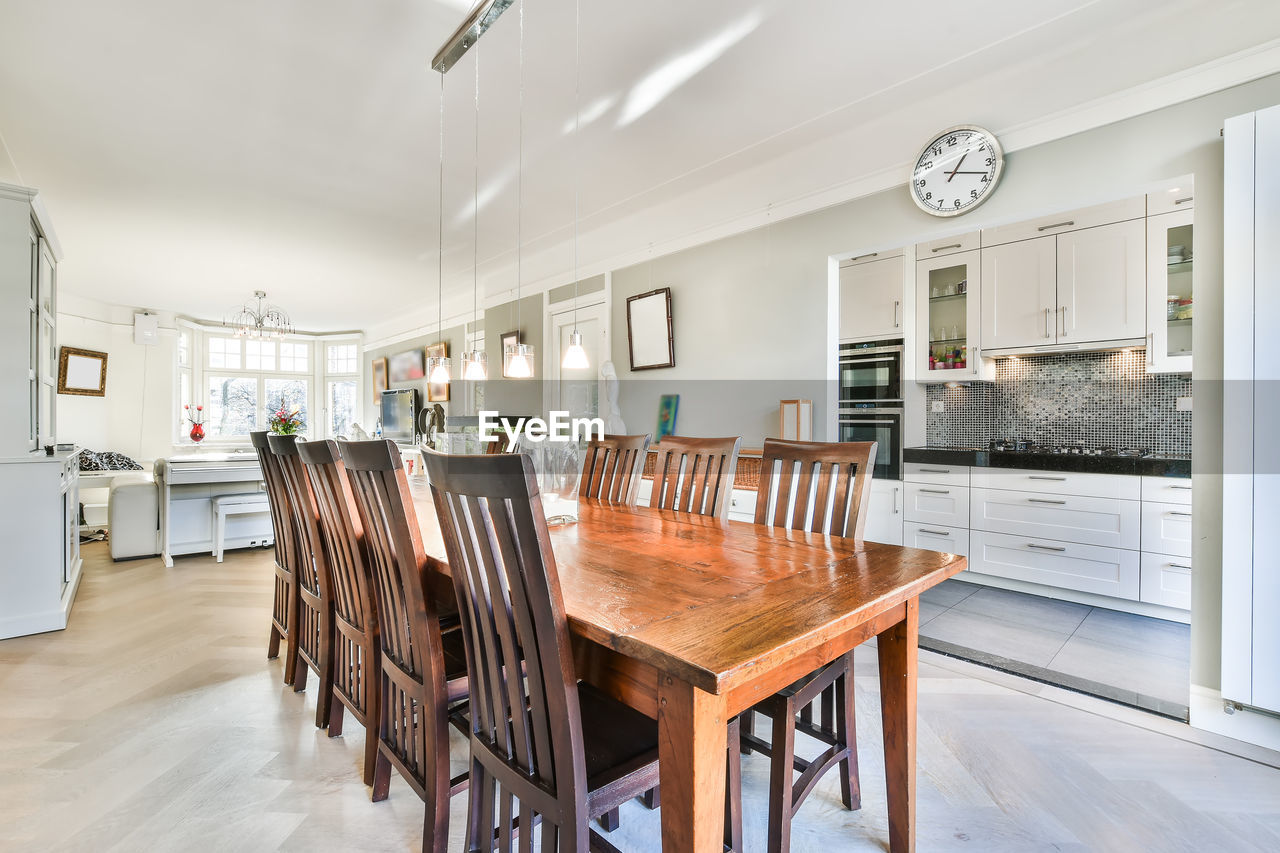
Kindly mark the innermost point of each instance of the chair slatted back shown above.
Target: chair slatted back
(277, 500)
(414, 700)
(611, 469)
(823, 487)
(512, 610)
(311, 567)
(695, 474)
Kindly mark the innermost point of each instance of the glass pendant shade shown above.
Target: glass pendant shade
(475, 366)
(438, 370)
(575, 357)
(518, 361)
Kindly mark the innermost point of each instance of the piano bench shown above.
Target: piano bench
(225, 505)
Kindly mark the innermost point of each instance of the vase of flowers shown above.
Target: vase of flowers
(286, 421)
(196, 418)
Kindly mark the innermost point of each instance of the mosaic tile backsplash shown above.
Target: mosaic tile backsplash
(1095, 399)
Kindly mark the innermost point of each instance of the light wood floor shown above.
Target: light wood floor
(154, 722)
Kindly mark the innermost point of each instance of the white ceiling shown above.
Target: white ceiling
(192, 152)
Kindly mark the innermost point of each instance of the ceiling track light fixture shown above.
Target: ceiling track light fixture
(439, 368)
(481, 17)
(575, 357)
(517, 359)
(259, 320)
(475, 364)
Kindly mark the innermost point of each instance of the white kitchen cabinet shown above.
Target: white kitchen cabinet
(1134, 207)
(1019, 296)
(1169, 490)
(936, 474)
(933, 537)
(945, 506)
(1119, 486)
(871, 298)
(1166, 529)
(1087, 568)
(1170, 257)
(1166, 580)
(742, 505)
(949, 317)
(1181, 196)
(1069, 518)
(1102, 283)
(884, 515)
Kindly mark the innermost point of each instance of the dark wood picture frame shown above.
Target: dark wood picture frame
(643, 301)
(505, 340)
(65, 354)
(380, 382)
(437, 392)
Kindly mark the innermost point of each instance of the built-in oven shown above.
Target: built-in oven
(881, 424)
(871, 372)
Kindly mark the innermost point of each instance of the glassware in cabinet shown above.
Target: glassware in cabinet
(948, 319)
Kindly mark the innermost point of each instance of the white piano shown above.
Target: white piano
(188, 484)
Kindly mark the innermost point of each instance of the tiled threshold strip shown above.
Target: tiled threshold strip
(1044, 675)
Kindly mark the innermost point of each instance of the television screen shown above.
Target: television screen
(399, 412)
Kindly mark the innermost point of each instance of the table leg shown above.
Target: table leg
(691, 745)
(897, 648)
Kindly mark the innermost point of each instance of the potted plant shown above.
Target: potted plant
(285, 421)
(196, 418)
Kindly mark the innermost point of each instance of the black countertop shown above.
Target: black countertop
(1148, 466)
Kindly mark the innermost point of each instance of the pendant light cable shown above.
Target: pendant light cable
(475, 368)
(575, 357)
(438, 367)
(517, 359)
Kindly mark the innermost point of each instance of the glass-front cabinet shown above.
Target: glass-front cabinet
(948, 319)
(1170, 305)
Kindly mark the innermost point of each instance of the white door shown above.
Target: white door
(1018, 294)
(1102, 283)
(577, 391)
(871, 299)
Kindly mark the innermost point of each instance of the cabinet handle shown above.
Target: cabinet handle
(1046, 322)
(1063, 309)
(948, 471)
(1045, 501)
(1151, 349)
(1181, 488)
(1179, 514)
(1045, 547)
(1056, 225)
(936, 491)
(860, 257)
(934, 532)
(957, 246)
(1042, 477)
(1171, 565)
(897, 307)
(896, 495)
(1183, 200)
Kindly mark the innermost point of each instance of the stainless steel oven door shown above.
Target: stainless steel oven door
(883, 426)
(870, 374)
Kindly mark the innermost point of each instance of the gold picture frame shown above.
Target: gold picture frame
(82, 372)
(380, 382)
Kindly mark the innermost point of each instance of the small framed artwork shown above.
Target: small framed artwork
(406, 366)
(508, 339)
(82, 372)
(649, 332)
(668, 407)
(380, 383)
(438, 392)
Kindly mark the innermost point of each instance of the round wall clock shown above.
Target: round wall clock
(957, 171)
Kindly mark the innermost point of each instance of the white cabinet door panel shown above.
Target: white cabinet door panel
(1059, 482)
(943, 505)
(1068, 518)
(884, 515)
(1134, 207)
(1166, 529)
(1166, 580)
(742, 505)
(939, 475)
(1168, 490)
(930, 537)
(1019, 294)
(871, 299)
(1088, 568)
(1102, 283)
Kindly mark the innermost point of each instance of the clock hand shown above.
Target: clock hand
(957, 168)
(966, 173)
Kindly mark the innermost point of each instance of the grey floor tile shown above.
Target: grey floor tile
(1150, 674)
(929, 610)
(1138, 633)
(992, 635)
(949, 592)
(1031, 611)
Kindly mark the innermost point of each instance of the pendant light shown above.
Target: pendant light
(439, 368)
(575, 357)
(517, 359)
(475, 363)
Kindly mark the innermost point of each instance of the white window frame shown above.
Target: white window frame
(325, 376)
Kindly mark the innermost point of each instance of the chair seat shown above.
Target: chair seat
(614, 736)
(455, 665)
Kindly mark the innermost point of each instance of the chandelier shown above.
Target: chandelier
(260, 321)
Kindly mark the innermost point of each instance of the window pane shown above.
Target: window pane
(260, 355)
(184, 349)
(293, 356)
(184, 397)
(342, 358)
(224, 353)
(342, 407)
(288, 394)
(232, 408)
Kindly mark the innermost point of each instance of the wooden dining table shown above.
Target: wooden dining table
(693, 620)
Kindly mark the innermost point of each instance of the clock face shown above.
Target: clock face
(957, 171)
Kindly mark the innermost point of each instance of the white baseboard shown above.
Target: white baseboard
(1208, 714)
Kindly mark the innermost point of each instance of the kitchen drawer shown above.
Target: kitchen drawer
(1168, 490)
(949, 540)
(948, 245)
(1166, 529)
(1166, 580)
(1087, 568)
(934, 504)
(1179, 197)
(742, 504)
(1121, 486)
(1072, 220)
(939, 475)
(1066, 518)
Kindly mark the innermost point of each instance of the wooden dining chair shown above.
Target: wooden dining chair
(694, 474)
(357, 650)
(284, 604)
(311, 574)
(822, 488)
(611, 468)
(423, 682)
(564, 750)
